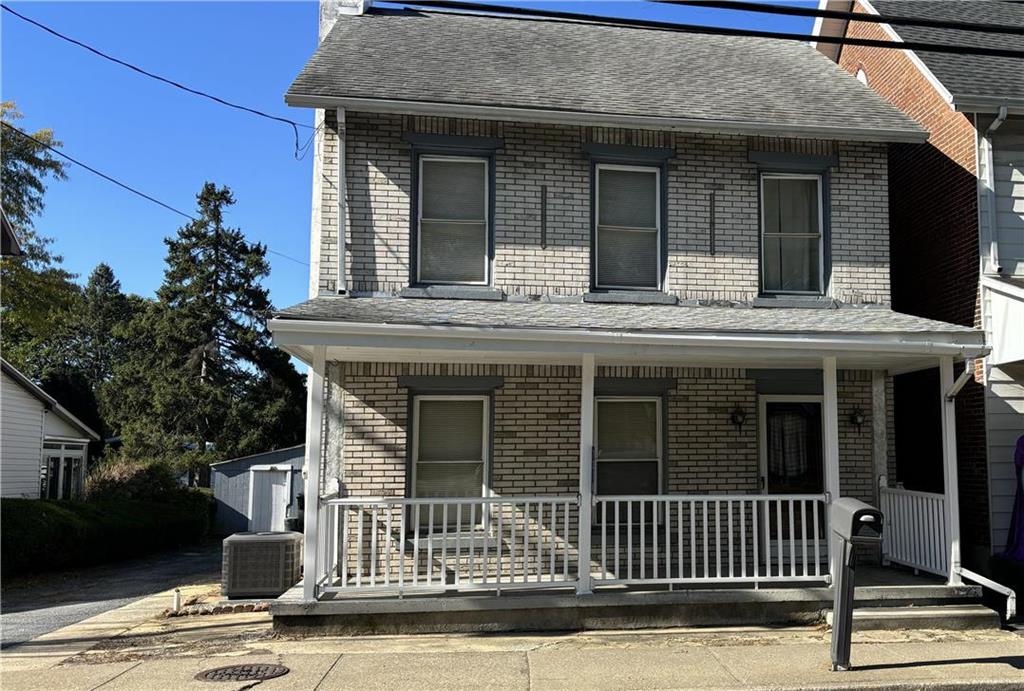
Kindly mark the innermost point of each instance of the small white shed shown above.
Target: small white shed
(44, 449)
(258, 492)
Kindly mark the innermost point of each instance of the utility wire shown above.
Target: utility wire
(745, 6)
(506, 11)
(196, 92)
(123, 185)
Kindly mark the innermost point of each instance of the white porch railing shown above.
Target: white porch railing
(383, 544)
(915, 531)
(710, 539)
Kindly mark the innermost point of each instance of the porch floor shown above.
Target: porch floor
(623, 607)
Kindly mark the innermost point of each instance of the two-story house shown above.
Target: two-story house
(957, 223)
(596, 310)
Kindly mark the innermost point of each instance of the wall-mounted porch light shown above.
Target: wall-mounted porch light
(738, 417)
(857, 418)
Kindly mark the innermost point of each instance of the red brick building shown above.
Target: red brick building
(949, 255)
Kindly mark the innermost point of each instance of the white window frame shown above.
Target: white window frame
(487, 218)
(659, 446)
(485, 490)
(68, 450)
(597, 224)
(762, 430)
(820, 234)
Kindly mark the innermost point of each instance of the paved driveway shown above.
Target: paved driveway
(33, 606)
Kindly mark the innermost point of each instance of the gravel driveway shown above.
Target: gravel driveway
(32, 606)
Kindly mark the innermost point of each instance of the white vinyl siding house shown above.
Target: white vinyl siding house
(1001, 227)
(21, 437)
(43, 447)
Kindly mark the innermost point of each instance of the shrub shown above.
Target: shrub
(123, 478)
(41, 535)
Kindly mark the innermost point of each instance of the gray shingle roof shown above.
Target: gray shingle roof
(966, 75)
(464, 59)
(618, 317)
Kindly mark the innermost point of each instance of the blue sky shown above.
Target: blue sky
(167, 143)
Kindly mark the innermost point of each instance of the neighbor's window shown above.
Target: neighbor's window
(449, 451)
(452, 209)
(628, 238)
(791, 241)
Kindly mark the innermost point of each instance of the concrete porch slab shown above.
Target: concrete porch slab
(614, 608)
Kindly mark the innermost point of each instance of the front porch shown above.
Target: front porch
(607, 468)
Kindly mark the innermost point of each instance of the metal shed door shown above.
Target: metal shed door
(270, 497)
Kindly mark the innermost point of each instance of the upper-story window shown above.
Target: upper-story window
(453, 233)
(792, 253)
(627, 242)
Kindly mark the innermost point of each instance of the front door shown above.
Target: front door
(792, 463)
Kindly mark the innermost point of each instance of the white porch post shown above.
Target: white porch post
(830, 421)
(314, 461)
(949, 468)
(583, 585)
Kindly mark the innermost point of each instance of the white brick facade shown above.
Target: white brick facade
(378, 171)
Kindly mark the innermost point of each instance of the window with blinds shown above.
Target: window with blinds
(627, 238)
(452, 209)
(628, 432)
(450, 446)
(791, 240)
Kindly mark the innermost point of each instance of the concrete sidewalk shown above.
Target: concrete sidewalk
(136, 651)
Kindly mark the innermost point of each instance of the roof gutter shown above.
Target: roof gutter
(310, 332)
(567, 117)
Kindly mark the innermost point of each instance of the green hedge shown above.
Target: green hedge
(39, 535)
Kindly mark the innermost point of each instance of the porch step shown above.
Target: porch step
(955, 617)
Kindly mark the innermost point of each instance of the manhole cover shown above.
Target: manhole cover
(255, 672)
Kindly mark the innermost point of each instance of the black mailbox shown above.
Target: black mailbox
(856, 522)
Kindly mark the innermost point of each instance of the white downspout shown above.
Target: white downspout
(990, 192)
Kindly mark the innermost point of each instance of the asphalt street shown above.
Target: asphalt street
(32, 606)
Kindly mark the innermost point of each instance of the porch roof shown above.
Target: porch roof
(372, 327)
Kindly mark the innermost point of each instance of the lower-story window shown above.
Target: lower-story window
(628, 441)
(449, 451)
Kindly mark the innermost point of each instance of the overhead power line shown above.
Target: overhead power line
(170, 82)
(744, 6)
(124, 185)
(580, 18)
